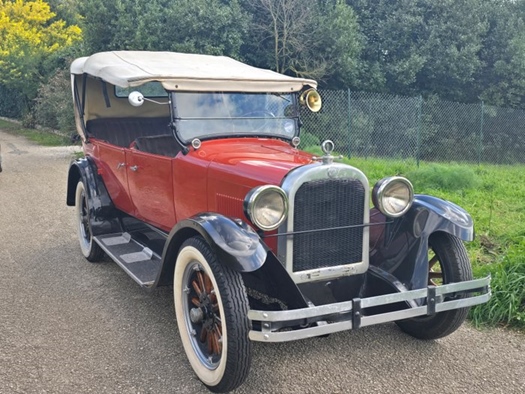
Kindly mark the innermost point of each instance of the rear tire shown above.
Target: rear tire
(211, 307)
(448, 263)
(90, 249)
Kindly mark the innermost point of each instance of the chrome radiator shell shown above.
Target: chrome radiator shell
(334, 201)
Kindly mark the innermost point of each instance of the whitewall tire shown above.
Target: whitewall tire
(211, 308)
(90, 249)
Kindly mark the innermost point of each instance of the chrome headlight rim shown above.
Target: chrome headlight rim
(380, 192)
(250, 205)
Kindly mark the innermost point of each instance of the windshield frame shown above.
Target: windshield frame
(177, 119)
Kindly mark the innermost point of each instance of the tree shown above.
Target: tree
(30, 34)
(502, 79)
(67, 10)
(214, 27)
(318, 39)
(288, 25)
(423, 46)
(340, 44)
(456, 30)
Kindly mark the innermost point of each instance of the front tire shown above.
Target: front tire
(448, 263)
(90, 249)
(211, 308)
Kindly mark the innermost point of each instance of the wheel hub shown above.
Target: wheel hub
(196, 315)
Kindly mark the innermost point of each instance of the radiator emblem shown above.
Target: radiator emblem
(333, 172)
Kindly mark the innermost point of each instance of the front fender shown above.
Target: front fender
(445, 216)
(236, 244)
(400, 246)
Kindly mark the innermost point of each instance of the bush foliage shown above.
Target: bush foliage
(29, 35)
(53, 107)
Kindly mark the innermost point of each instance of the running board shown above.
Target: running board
(139, 262)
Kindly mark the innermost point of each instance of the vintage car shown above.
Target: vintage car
(192, 177)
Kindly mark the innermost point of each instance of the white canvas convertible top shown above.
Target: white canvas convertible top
(183, 71)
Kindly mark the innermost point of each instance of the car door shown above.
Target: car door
(113, 163)
(150, 182)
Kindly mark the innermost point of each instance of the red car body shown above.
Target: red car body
(216, 178)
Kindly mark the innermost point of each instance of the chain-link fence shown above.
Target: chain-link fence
(382, 125)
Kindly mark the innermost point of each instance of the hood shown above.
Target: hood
(251, 162)
(235, 166)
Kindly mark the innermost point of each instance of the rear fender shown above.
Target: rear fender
(236, 244)
(400, 246)
(102, 213)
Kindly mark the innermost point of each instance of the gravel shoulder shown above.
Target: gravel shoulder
(69, 326)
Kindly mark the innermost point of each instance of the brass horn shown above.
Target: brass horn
(312, 99)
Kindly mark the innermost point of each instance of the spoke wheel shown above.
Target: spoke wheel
(211, 307)
(435, 272)
(448, 262)
(90, 249)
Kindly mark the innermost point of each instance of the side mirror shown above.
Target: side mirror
(136, 99)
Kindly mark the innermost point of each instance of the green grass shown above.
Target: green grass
(78, 155)
(506, 306)
(37, 136)
(495, 197)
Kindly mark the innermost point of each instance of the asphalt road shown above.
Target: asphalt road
(69, 326)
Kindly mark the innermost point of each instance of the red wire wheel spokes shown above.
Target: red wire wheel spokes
(205, 314)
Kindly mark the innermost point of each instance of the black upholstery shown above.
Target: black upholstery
(164, 145)
(122, 131)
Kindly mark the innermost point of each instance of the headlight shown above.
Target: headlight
(266, 206)
(393, 196)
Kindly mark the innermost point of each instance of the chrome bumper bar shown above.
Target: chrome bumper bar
(283, 326)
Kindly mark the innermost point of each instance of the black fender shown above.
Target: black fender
(235, 243)
(239, 247)
(400, 246)
(102, 213)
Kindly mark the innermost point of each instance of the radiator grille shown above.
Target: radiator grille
(323, 204)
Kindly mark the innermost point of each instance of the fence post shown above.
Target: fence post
(349, 124)
(480, 146)
(419, 127)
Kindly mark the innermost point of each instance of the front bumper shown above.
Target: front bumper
(290, 325)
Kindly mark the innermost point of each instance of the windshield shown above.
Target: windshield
(207, 115)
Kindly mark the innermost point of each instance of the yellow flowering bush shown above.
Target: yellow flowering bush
(29, 33)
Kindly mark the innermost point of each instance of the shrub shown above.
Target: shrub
(30, 34)
(13, 104)
(53, 107)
